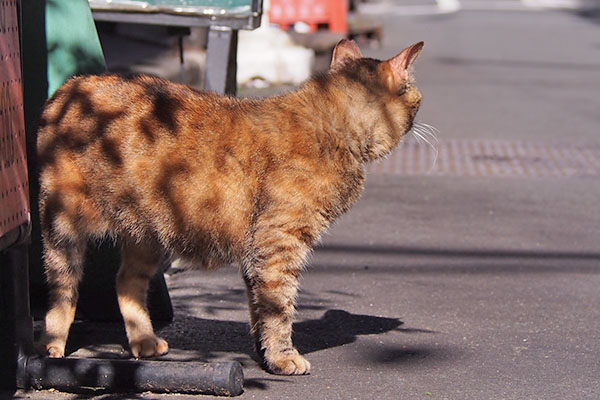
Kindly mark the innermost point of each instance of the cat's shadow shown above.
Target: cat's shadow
(208, 339)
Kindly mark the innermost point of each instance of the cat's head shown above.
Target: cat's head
(383, 95)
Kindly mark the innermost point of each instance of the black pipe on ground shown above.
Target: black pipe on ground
(75, 374)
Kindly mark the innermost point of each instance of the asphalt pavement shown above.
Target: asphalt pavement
(479, 280)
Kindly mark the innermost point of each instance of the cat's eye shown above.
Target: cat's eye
(402, 90)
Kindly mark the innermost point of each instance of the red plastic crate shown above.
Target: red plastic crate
(333, 13)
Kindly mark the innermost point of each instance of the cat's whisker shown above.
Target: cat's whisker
(433, 128)
(431, 135)
(435, 157)
(417, 137)
(428, 130)
(421, 133)
(422, 136)
(427, 125)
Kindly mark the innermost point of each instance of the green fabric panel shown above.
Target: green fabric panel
(73, 44)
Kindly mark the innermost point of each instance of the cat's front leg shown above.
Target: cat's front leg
(272, 282)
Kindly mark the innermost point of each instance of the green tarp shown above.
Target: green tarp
(72, 41)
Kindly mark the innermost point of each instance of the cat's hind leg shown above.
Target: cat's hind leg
(64, 270)
(68, 219)
(272, 283)
(139, 264)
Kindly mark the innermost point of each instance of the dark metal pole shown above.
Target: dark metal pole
(16, 324)
(181, 60)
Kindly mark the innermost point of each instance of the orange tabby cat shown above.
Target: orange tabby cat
(169, 170)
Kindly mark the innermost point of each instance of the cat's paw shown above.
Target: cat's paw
(55, 351)
(49, 348)
(291, 363)
(148, 346)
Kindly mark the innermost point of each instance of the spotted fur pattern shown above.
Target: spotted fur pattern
(169, 170)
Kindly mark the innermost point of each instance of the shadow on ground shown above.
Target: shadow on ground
(207, 339)
(424, 260)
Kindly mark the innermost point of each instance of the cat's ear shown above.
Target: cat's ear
(398, 67)
(344, 50)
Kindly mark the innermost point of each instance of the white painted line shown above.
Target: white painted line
(499, 5)
(395, 10)
(448, 6)
(441, 7)
(560, 4)
(452, 6)
(488, 158)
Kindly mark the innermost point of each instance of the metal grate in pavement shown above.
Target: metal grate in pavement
(492, 158)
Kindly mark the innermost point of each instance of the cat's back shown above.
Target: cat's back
(134, 89)
(106, 98)
(118, 115)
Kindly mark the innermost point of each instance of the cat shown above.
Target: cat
(169, 170)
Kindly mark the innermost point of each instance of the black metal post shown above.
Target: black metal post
(16, 324)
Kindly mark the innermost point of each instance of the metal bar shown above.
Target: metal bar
(251, 21)
(72, 374)
(181, 59)
(221, 51)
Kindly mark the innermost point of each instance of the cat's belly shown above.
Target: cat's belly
(208, 262)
